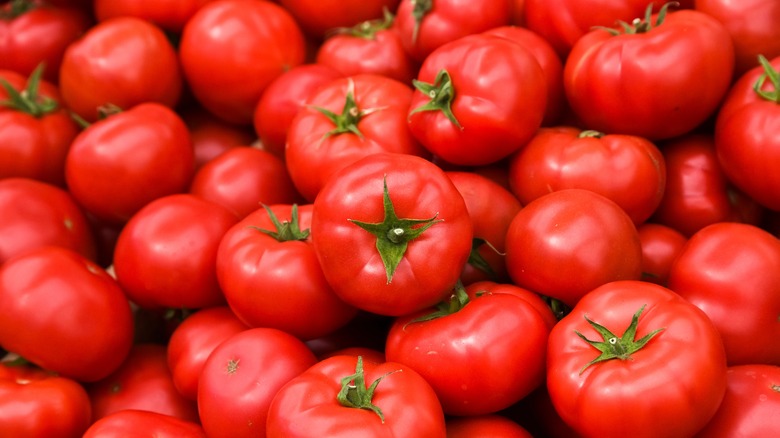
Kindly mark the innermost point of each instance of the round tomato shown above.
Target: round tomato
(128, 422)
(660, 246)
(485, 426)
(170, 15)
(211, 135)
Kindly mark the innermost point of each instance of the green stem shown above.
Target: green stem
(441, 94)
(773, 76)
(355, 394)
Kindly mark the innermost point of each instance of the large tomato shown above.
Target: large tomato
(660, 77)
(635, 359)
(392, 233)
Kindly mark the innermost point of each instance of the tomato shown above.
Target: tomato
(344, 396)
(87, 342)
(660, 246)
(170, 15)
(505, 359)
(627, 169)
(658, 78)
(35, 33)
(124, 61)
(485, 426)
(372, 46)
(752, 397)
(142, 382)
(392, 233)
(132, 421)
(36, 131)
(698, 193)
(426, 25)
(121, 163)
(467, 120)
(732, 272)
(241, 377)
(752, 26)
(227, 42)
(282, 99)
(271, 277)
(345, 120)
(568, 242)
(745, 139)
(37, 214)
(211, 135)
(243, 178)
(35, 403)
(318, 17)
(635, 359)
(165, 255)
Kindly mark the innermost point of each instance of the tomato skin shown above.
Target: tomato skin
(124, 61)
(732, 272)
(109, 175)
(751, 398)
(566, 243)
(132, 421)
(651, 394)
(318, 17)
(613, 87)
(627, 169)
(485, 426)
(37, 214)
(170, 15)
(230, 401)
(494, 121)
(432, 262)
(75, 344)
(660, 246)
(216, 68)
(211, 135)
(165, 255)
(34, 403)
(308, 402)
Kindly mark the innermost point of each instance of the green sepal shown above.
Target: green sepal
(284, 231)
(28, 100)
(773, 76)
(355, 394)
(441, 94)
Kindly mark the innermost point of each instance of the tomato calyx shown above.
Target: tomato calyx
(773, 76)
(17, 8)
(441, 93)
(28, 100)
(639, 25)
(369, 28)
(355, 394)
(476, 260)
(284, 231)
(420, 9)
(590, 133)
(350, 115)
(457, 301)
(393, 234)
(614, 347)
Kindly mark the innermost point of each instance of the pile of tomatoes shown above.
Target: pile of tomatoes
(376, 218)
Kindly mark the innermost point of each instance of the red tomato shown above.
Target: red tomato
(227, 42)
(165, 256)
(485, 426)
(211, 135)
(745, 129)
(123, 61)
(241, 377)
(143, 382)
(697, 191)
(36, 33)
(243, 178)
(89, 340)
(119, 164)
(659, 78)
(36, 214)
(566, 243)
(505, 358)
(426, 25)
(630, 358)
(627, 169)
(318, 17)
(344, 396)
(282, 99)
(132, 422)
(660, 246)
(170, 15)
(732, 272)
(271, 277)
(392, 233)
(193, 340)
(345, 120)
(38, 404)
(752, 399)
(467, 120)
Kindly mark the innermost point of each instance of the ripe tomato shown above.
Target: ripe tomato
(211, 135)
(464, 119)
(165, 255)
(226, 42)
(629, 359)
(88, 341)
(318, 17)
(123, 61)
(485, 426)
(128, 422)
(658, 78)
(170, 15)
(345, 396)
(660, 246)
(566, 243)
(392, 233)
